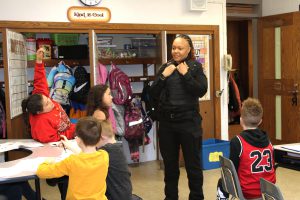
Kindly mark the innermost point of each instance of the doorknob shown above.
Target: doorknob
(294, 99)
(294, 95)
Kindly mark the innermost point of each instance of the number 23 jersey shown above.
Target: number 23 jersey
(255, 163)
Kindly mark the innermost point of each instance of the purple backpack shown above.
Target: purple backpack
(120, 86)
(134, 127)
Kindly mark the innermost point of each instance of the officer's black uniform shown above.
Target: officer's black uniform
(180, 124)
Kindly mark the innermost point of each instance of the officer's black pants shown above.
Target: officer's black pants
(188, 134)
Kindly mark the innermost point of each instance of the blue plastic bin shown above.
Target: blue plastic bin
(73, 120)
(211, 149)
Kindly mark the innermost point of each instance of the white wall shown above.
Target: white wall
(274, 7)
(132, 11)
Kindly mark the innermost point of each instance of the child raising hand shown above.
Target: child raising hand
(45, 119)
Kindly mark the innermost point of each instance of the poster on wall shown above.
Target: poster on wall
(201, 46)
(17, 71)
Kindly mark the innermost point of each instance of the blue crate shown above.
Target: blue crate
(211, 149)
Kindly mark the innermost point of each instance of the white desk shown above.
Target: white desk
(286, 157)
(25, 168)
(281, 147)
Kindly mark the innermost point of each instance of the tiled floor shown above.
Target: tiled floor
(147, 180)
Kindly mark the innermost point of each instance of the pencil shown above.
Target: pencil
(64, 147)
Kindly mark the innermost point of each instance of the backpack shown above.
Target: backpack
(82, 85)
(151, 105)
(134, 127)
(2, 115)
(118, 113)
(120, 86)
(2, 122)
(101, 78)
(101, 74)
(61, 82)
(147, 121)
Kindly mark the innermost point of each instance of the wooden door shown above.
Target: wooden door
(279, 76)
(207, 105)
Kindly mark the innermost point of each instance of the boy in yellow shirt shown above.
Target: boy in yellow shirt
(85, 181)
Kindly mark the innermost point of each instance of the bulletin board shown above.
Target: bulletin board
(201, 46)
(17, 71)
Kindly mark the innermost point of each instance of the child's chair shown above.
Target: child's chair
(270, 191)
(230, 180)
(136, 197)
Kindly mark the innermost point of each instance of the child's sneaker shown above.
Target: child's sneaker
(221, 194)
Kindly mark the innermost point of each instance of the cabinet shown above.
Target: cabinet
(52, 42)
(53, 62)
(130, 49)
(91, 30)
(18, 72)
(139, 63)
(145, 62)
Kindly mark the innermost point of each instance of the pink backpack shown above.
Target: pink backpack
(101, 74)
(120, 86)
(101, 77)
(134, 127)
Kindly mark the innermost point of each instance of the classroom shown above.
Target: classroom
(247, 49)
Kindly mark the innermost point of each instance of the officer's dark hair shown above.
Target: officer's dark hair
(191, 55)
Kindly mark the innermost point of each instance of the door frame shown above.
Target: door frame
(240, 27)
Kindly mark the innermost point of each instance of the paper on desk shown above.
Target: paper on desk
(30, 144)
(21, 166)
(63, 155)
(7, 146)
(54, 144)
(66, 152)
(292, 147)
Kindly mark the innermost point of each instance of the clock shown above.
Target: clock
(90, 2)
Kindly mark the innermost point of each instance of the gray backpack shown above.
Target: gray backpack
(119, 112)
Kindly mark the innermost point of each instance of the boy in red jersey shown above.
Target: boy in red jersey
(251, 152)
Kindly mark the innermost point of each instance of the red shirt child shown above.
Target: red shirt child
(48, 126)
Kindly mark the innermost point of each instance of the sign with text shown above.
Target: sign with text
(89, 14)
